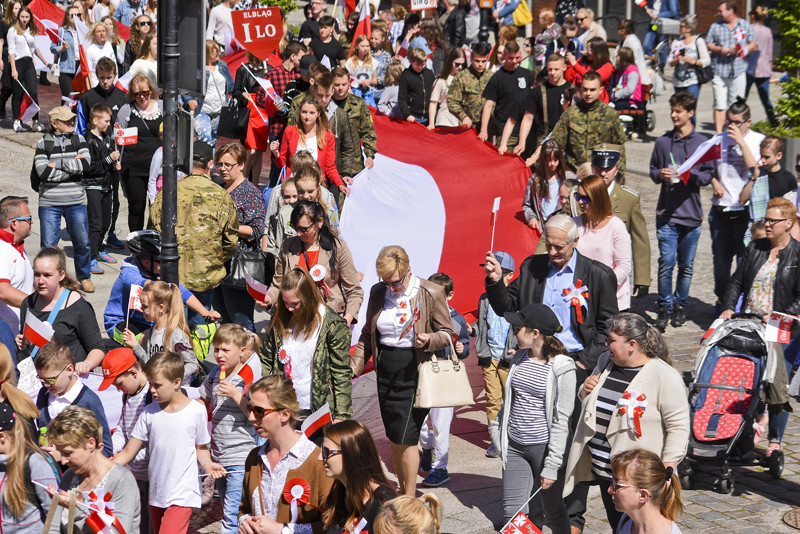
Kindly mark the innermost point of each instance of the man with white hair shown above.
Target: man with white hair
(590, 27)
(581, 292)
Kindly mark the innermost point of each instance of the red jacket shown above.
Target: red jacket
(326, 157)
(574, 74)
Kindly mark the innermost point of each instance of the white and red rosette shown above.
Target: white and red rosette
(296, 490)
(286, 359)
(632, 406)
(576, 295)
(102, 517)
(318, 273)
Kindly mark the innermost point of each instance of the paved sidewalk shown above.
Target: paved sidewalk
(472, 500)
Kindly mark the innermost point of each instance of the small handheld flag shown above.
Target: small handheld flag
(28, 109)
(134, 302)
(317, 420)
(255, 289)
(250, 372)
(779, 327)
(37, 331)
(493, 222)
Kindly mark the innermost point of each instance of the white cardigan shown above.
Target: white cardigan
(665, 423)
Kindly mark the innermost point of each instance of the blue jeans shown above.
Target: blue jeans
(78, 229)
(230, 492)
(762, 85)
(235, 305)
(727, 241)
(206, 128)
(676, 244)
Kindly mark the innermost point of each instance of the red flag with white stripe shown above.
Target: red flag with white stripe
(255, 289)
(708, 151)
(28, 109)
(316, 420)
(364, 24)
(37, 331)
(257, 127)
(83, 78)
(250, 371)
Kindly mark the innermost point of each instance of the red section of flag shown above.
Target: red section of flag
(28, 109)
(135, 298)
(250, 371)
(350, 6)
(317, 420)
(235, 60)
(364, 24)
(82, 81)
(641, 3)
(521, 525)
(257, 131)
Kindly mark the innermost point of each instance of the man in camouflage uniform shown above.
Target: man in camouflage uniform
(361, 125)
(347, 158)
(465, 96)
(207, 229)
(589, 123)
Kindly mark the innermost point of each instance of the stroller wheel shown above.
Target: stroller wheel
(776, 464)
(651, 120)
(687, 481)
(725, 485)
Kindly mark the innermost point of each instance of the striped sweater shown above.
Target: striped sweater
(61, 185)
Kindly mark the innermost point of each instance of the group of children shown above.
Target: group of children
(162, 435)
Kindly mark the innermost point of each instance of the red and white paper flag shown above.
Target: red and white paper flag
(414, 320)
(404, 46)
(495, 209)
(126, 136)
(364, 24)
(521, 525)
(713, 327)
(250, 371)
(708, 151)
(135, 298)
(779, 327)
(255, 289)
(36, 331)
(641, 3)
(317, 420)
(29, 108)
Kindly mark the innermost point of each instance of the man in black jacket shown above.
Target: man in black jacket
(455, 26)
(105, 92)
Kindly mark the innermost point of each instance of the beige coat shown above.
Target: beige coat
(345, 293)
(434, 320)
(665, 423)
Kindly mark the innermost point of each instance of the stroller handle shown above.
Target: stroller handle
(752, 316)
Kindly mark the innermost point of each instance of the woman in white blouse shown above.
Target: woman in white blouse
(147, 64)
(100, 47)
(21, 47)
(219, 83)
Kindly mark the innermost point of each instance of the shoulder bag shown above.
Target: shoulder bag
(233, 120)
(704, 74)
(443, 383)
(522, 14)
(250, 260)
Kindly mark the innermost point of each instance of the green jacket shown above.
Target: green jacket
(347, 157)
(465, 95)
(362, 129)
(207, 230)
(331, 373)
(581, 128)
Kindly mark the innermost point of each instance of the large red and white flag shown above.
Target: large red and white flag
(316, 420)
(50, 28)
(708, 151)
(36, 331)
(47, 17)
(250, 371)
(437, 211)
(28, 109)
(364, 24)
(135, 298)
(82, 81)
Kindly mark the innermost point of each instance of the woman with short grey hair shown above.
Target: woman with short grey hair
(688, 54)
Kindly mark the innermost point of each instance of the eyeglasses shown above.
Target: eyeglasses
(582, 199)
(396, 284)
(145, 23)
(224, 165)
(579, 20)
(52, 381)
(21, 219)
(459, 64)
(140, 94)
(260, 412)
(301, 229)
(737, 123)
(327, 453)
(616, 485)
(770, 222)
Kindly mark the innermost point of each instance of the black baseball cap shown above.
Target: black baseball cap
(537, 316)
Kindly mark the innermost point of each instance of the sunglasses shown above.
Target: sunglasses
(327, 453)
(52, 381)
(145, 23)
(616, 485)
(140, 94)
(301, 229)
(770, 222)
(460, 64)
(21, 219)
(395, 285)
(260, 412)
(580, 20)
(582, 199)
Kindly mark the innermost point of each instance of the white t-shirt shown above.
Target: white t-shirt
(93, 55)
(301, 357)
(219, 23)
(16, 269)
(171, 440)
(733, 179)
(310, 145)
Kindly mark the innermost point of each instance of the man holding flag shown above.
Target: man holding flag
(729, 40)
(679, 214)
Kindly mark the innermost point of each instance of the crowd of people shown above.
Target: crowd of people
(558, 346)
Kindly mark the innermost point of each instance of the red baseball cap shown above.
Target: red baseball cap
(115, 363)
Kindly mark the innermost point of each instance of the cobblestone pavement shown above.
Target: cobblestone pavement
(473, 498)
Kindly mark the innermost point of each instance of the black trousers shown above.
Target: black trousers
(134, 184)
(65, 83)
(26, 74)
(98, 208)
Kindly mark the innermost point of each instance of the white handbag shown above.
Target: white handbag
(443, 383)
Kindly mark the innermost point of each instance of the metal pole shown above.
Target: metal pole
(169, 208)
(483, 29)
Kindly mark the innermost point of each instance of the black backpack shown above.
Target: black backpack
(49, 144)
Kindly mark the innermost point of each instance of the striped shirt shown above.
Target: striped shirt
(528, 420)
(132, 408)
(62, 185)
(232, 435)
(611, 390)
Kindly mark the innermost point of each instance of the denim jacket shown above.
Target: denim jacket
(66, 58)
(126, 12)
(226, 73)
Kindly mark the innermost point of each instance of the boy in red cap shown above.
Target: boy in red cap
(122, 369)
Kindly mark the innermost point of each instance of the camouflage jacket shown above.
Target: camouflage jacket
(347, 157)
(362, 130)
(465, 96)
(330, 367)
(207, 230)
(581, 128)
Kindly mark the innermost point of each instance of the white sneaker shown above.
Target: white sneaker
(17, 126)
(38, 127)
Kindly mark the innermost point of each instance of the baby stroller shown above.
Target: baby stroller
(731, 370)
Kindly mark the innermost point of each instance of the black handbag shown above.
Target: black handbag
(253, 261)
(704, 74)
(233, 120)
